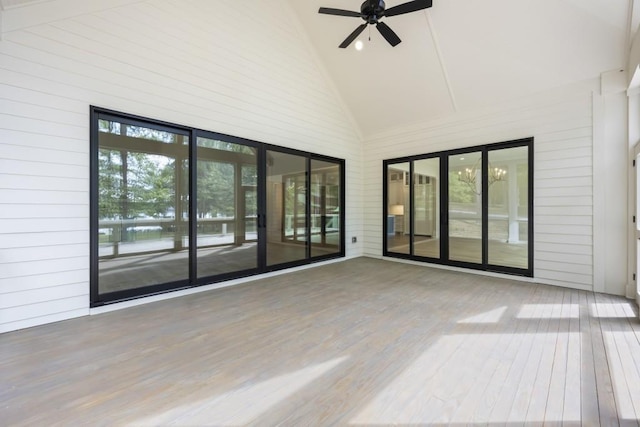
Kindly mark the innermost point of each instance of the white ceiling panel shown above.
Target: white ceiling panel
(458, 55)
(464, 54)
(9, 4)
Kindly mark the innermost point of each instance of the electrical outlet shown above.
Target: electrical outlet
(354, 239)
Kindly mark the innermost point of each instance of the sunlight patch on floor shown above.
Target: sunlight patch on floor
(464, 379)
(621, 348)
(612, 310)
(245, 404)
(492, 316)
(549, 311)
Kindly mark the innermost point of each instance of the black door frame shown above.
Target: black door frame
(444, 211)
(99, 299)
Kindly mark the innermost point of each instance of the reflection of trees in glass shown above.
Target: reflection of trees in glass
(110, 184)
(459, 191)
(249, 175)
(141, 132)
(153, 134)
(250, 179)
(134, 184)
(225, 146)
(295, 192)
(216, 189)
(149, 189)
(109, 127)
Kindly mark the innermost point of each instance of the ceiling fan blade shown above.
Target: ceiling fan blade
(353, 36)
(339, 12)
(411, 6)
(388, 34)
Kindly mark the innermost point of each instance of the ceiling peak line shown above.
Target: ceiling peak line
(633, 19)
(443, 67)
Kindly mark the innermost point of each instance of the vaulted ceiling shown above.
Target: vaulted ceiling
(459, 55)
(8, 4)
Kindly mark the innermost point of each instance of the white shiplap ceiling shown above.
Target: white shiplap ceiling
(461, 55)
(9, 4)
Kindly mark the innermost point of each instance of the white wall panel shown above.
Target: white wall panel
(204, 64)
(24, 269)
(40, 253)
(44, 281)
(37, 197)
(25, 182)
(27, 167)
(43, 155)
(561, 123)
(17, 211)
(30, 240)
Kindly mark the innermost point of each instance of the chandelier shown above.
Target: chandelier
(468, 176)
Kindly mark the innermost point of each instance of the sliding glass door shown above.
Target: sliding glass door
(287, 228)
(304, 200)
(226, 207)
(326, 195)
(468, 208)
(465, 207)
(508, 207)
(397, 205)
(142, 211)
(426, 207)
(175, 207)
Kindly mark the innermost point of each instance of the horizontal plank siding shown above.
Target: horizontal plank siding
(561, 124)
(209, 66)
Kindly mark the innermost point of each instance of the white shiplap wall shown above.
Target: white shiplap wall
(562, 126)
(205, 64)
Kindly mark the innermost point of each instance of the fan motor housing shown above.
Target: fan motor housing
(372, 10)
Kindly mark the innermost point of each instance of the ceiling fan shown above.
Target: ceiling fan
(371, 11)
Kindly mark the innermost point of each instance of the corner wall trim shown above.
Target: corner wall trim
(598, 192)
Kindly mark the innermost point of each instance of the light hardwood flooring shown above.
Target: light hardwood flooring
(363, 342)
(464, 249)
(135, 271)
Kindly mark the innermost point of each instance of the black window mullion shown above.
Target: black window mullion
(261, 216)
(385, 198)
(444, 207)
(343, 204)
(93, 208)
(530, 201)
(307, 208)
(485, 208)
(193, 221)
(410, 207)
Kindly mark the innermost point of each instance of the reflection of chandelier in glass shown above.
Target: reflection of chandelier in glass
(468, 176)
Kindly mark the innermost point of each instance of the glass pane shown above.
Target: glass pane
(250, 190)
(398, 208)
(143, 216)
(286, 208)
(508, 207)
(465, 207)
(226, 208)
(325, 208)
(426, 208)
(226, 146)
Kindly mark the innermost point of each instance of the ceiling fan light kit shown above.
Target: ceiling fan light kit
(371, 11)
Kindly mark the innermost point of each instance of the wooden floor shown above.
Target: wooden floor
(464, 249)
(363, 342)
